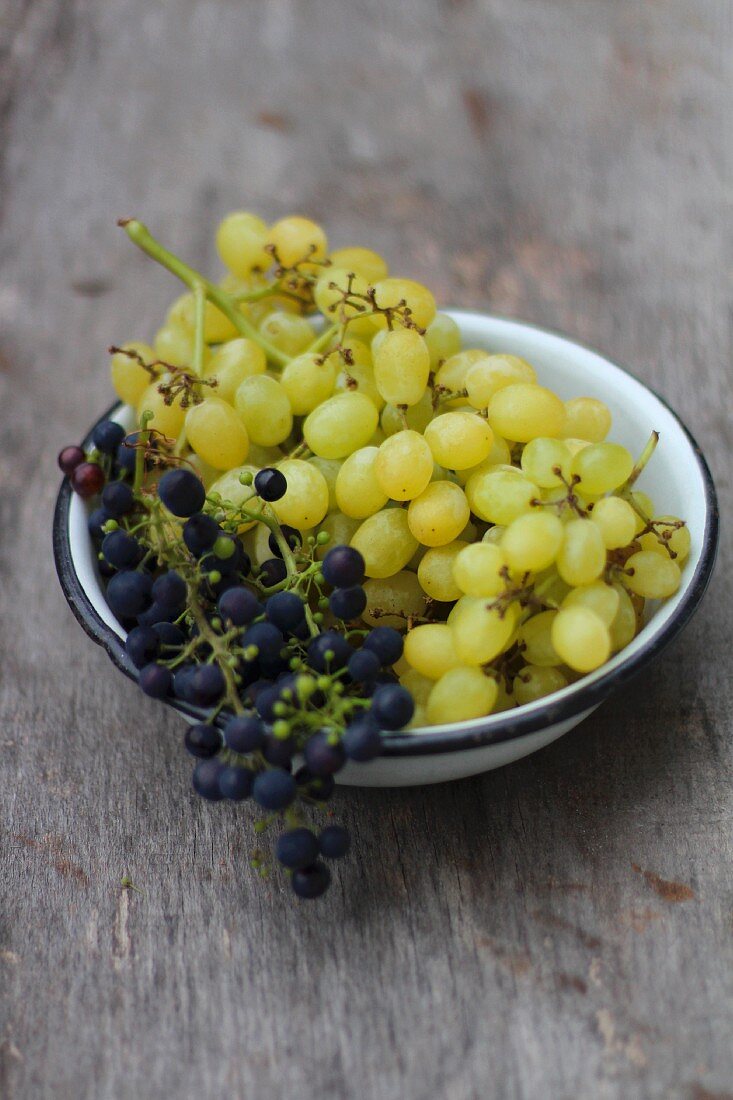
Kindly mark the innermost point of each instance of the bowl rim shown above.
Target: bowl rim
(512, 724)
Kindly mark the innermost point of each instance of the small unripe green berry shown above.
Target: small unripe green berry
(323, 683)
(333, 738)
(251, 653)
(323, 603)
(322, 538)
(246, 478)
(317, 617)
(279, 710)
(224, 547)
(109, 526)
(319, 578)
(305, 686)
(281, 729)
(214, 576)
(338, 688)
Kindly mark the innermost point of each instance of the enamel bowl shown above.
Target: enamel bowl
(677, 479)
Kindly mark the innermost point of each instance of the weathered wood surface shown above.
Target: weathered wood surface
(562, 928)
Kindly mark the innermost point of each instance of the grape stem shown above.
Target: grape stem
(643, 458)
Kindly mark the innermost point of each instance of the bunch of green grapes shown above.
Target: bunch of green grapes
(500, 530)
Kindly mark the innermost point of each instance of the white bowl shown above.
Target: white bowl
(677, 479)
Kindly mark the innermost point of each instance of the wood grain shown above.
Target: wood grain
(562, 928)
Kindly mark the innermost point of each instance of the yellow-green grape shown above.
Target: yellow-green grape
(616, 520)
(215, 432)
(542, 457)
(623, 627)
(499, 455)
(581, 639)
(362, 261)
(167, 419)
(402, 366)
(264, 456)
(645, 505)
(439, 514)
(340, 425)
(531, 542)
(480, 570)
(264, 407)
(676, 540)
(601, 468)
(234, 494)
(205, 473)
(489, 375)
(505, 699)
(129, 378)
(392, 602)
(586, 418)
(339, 295)
(602, 599)
(461, 694)
(550, 586)
(535, 636)
(177, 309)
(385, 542)
(500, 495)
(217, 327)
(417, 417)
(481, 633)
(296, 239)
(435, 572)
(390, 293)
(651, 575)
(305, 502)
(443, 338)
(494, 535)
(358, 492)
(307, 380)
(359, 377)
(523, 411)
(240, 241)
(534, 682)
(173, 344)
(582, 556)
(329, 467)
(357, 349)
(429, 649)
(451, 376)
(404, 465)
(459, 440)
(289, 332)
(232, 363)
(339, 528)
(419, 686)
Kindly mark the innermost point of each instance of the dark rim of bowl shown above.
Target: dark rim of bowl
(513, 724)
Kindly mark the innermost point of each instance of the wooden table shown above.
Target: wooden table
(562, 928)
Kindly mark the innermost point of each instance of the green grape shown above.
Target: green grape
(542, 457)
(307, 380)
(499, 455)
(601, 468)
(489, 375)
(404, 466)
(581, 639)
(167, 419)
(264, 456)
(600, 598)
(531, 542)
(505, 699)
(173, 344)
(439, 514)
(329, 467)
(451, 376)
(645, 504)
(435, 572)
(623, 627)
(616, 520)
(305, 502)
(586, 418)
(459, 440)
(416, 416)
(296, 239)
(430, 651)
(129, 378)
(216, 433)
(393, 601)
(263, 405)
(419, 686)
(651, 575)
(205, 473)
(401, 367)
(677, 540)
(390, 293)
(523, 411)
(288, 332)
(494, 535)
(339, 528)
(460, 695)
(481, 633)
(240, 242)
(362, 261)
(500, 495)
(359, 377)
(443, 337)
(340, 425)
(234, 494)
(358, 492)
(480, 570)
(535, 636)
(582, 556)
(385, 542)
(534, 682)
(217, 327)
(232, 363)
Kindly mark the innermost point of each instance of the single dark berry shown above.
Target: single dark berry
(285, 610)
(87, 479)
(169, 591)
(274, 789)
(245, 733)
(318, 787)
(270, 484)
(207, 685)
(129, 593)
(364, 666)
(107, 436)
(329, 651)
(334, 841)
(239, 605)
(155, 680)
(343, 566)
(96, 522)
(142, 645)
(272, 571)
(169, 635)
(386, 642)
(311, 882)
(202, 740)
(321, 757)
(348, 603)
(279, 752)
(181, 492)
(206, 779)
(392, 706)
(117, 498)
(121, 550)
(362, 740)
(291, 535)
(235, 782)
(266, 701)
(156, 614)
(182, 681)
(296, 848)
(69, 458)
(266, 637)
(200, 532)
